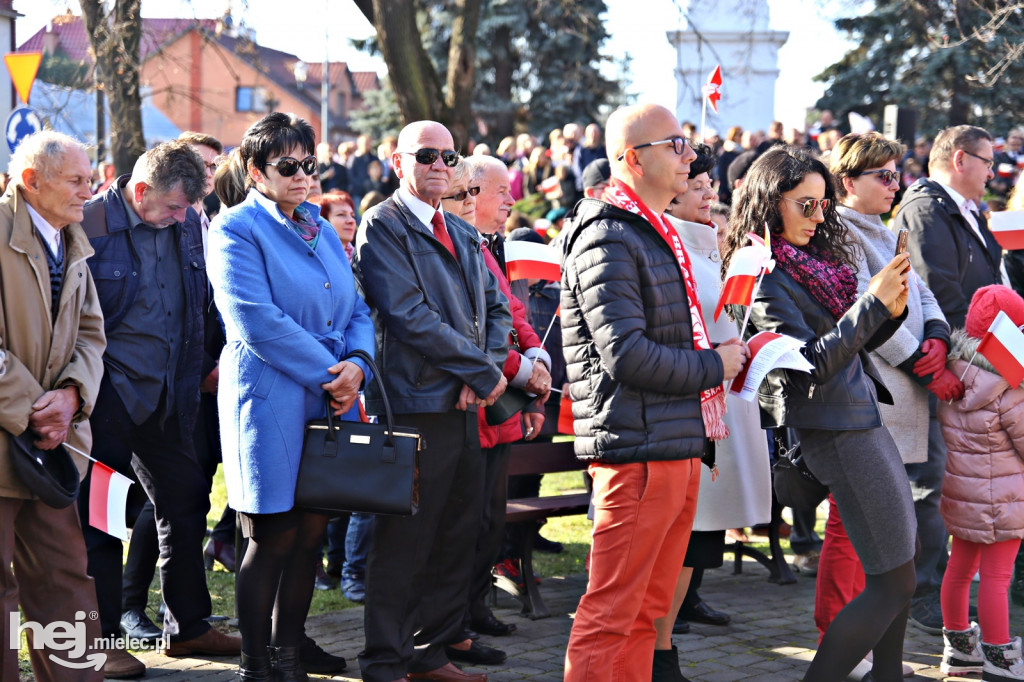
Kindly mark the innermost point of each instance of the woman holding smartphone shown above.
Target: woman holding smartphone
(812, 295)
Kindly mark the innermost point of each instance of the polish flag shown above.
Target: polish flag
(712, 89)
(1008, 229)
(1003, 346)
(529, 260)
(108, 499)
(746, 266)
(565, 415)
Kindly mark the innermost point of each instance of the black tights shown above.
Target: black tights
(275, 585)
(855, 630)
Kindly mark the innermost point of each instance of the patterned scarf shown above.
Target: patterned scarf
(828, 279)
(305, 225)
(712, 400)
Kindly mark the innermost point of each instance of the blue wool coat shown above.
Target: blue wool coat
(289, 313)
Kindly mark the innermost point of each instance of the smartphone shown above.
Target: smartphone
(901, 241)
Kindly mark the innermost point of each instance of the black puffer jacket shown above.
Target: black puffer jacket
(834, 395)
(945, 250)
(627, 338)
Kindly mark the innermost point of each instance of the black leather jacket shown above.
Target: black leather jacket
(628, 342)
(835, 395)
(440, 323)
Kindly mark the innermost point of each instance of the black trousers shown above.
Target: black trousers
(166, 465)
(419, 568)
(492, 528)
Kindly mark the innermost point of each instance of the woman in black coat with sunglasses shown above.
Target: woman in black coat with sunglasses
(811, 295)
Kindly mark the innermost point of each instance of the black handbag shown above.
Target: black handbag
(50, 475)
(359, 467)
(795, 485)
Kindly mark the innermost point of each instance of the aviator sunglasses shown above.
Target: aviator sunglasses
(887, 176)
(461, 196)
(427, 156)
(811, 205)
(287, 166)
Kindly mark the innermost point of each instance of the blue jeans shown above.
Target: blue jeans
(926, 487)
(357, 546)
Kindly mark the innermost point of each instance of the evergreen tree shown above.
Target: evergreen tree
(910, 53)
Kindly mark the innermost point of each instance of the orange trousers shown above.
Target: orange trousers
(643, 513)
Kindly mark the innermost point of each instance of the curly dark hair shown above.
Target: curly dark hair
(704, 162)
(274, 134)
(756, 202)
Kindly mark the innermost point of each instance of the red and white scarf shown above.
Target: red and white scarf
(712, 400)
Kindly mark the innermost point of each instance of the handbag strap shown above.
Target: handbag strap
(365, 357)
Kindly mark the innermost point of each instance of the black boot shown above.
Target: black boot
(288, 668)
(255, 668)
(666, 666)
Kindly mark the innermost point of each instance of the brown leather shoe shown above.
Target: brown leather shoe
(210, 643)
(449, 673)
(121, 665)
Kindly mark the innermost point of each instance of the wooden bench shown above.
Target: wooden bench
(537, 458)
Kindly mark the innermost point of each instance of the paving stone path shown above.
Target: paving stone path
(772, 636)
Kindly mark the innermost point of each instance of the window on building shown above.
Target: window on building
(255, 99)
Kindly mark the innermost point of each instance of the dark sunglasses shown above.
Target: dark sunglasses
(678, 146)
(461, 196)
(287, 166)
(887, 176)
(811, 205)
(427, 156)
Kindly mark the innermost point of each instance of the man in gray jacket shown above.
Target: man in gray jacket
(442, 330)
(646, 389)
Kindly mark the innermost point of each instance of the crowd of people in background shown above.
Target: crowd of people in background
(198, 307)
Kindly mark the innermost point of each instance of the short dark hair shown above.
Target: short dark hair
(170, 163)
(704, 162)
(774, 173)
(274, 134)
(202, 139)
(949, 140)
(857, 152)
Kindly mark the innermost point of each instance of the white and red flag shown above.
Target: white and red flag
(1003, 346)
(712, 89)
(1008, 229)
(745, 267)
(108, 500)
(529, 260)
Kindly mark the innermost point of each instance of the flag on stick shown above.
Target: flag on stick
(712, 89)
(746, 265)
(565, 415)
(108, 500)
(1003, 346)
(528, 260)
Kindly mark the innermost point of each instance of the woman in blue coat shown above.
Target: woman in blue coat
(285, 290)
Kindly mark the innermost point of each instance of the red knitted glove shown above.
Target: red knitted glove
(946, 386)
(934, 357)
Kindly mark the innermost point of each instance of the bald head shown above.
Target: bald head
(655, 172)
(426, 182)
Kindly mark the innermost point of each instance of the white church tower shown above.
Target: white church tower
(735, 34)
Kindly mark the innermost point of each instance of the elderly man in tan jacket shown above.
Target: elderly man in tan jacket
(51, 344)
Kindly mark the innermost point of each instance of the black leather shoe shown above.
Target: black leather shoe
(137, 625)
(542, 544)
(315, 660)
(681, 627)
(493, 627)
(477, 654)
(702, 613)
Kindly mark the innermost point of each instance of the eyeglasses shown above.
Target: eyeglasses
(212, 166)
(887, 176)
(811, 205)
(287, 166)
(678, 146)
(988, 162)
(461, 196)
(427, 156)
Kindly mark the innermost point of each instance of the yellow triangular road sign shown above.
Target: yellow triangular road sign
(23, 67)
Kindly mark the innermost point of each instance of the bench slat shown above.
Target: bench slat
(543, 458)
(527, 508)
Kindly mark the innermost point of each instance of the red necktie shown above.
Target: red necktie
(442, 234)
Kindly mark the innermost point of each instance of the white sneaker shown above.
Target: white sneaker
(1003, 662)
(961, 651)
